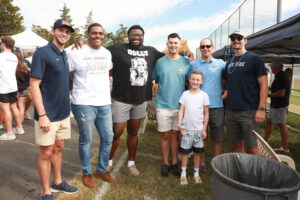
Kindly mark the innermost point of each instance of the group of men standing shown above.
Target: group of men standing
(131, 66)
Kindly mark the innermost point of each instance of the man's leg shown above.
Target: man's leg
(56, 161)
(44, 167)
(217, 148)
(238, 146)
(174, 146)
(216, 125)
(284, 135)
(20, 105)
(165, 146)
(269, 128)
(118, 129)
(253, 150)
(133, 126)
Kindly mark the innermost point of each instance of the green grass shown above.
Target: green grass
(150, 185)
(295, 95)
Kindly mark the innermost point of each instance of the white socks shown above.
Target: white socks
(183, 171)
(196, 172)
(130, 163)
(110, 162)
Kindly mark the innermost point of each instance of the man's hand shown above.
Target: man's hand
(259, 116)
(44, 123)
(78, 44)
(190, 55)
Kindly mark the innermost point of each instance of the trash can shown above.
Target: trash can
(240, 176)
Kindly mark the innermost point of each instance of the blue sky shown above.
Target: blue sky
(192, 19)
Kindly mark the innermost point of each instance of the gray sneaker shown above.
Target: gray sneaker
(63, 187)
(18, 131)
(47, 197)
(8, 136)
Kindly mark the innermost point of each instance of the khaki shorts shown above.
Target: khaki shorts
(59, 130)
(166, 119)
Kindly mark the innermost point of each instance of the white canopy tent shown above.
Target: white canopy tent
(28, 40)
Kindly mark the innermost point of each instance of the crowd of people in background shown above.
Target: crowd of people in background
(189, 100)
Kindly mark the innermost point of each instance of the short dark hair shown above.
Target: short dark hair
(135, 27)
(174, 35)
(92, 25)
(8, 41)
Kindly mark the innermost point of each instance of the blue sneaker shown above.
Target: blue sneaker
(202, 168)
(47, 197)
(63, 187)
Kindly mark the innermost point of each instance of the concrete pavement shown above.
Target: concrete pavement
(19, 177)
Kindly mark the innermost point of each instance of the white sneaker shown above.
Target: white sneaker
(27, 116)
(1, 126)
(19, 131)
(8, 136)
(281, 149)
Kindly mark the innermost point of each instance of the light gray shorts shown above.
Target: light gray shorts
(122, 112)
(239, 126)
(166, 119)
(191, 140)
(278, 115)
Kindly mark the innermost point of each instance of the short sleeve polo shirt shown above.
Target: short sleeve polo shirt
(51, 66)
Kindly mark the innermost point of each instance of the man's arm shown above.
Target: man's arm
(263, 94)
(44, 121)
(279, 93)
(205, 124)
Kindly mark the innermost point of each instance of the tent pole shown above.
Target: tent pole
(279, 4)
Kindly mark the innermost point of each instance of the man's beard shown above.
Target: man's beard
(135, 47)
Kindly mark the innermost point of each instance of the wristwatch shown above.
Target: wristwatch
(262, 108)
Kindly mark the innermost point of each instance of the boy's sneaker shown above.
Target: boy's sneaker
(19, 131)
(63, 187)
(183, 180)
(202, 168)
(47, 197)
(109, 168)
(175, 170)
(164, 172)
(27, 116)
(1, 126)
(197, 180)
(8, 136)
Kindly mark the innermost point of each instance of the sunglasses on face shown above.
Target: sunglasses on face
(239, 38)
(203, 46)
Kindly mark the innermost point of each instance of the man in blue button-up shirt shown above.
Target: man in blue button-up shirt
(212, 71)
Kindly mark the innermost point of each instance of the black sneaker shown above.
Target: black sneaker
(202, 168)
(63, 187)
(47, 197)
(164, 170)
(175, 170)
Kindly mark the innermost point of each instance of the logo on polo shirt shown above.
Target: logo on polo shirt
(180, 69)
(57, 59)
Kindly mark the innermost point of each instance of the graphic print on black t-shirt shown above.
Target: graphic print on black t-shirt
(138, 72)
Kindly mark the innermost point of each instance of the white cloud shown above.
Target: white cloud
(290, 5)
(108, 13)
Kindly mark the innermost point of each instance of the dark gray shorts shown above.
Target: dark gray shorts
(239, 126)
(122, 112)
(216, 124)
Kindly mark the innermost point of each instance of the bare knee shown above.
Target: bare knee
(165, 136)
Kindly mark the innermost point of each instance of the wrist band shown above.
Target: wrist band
(42, 115)
(183, 52)
(181, 124)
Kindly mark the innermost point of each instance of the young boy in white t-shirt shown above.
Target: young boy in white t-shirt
(193, 120)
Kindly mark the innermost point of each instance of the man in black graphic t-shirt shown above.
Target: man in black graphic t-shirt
(132, 88)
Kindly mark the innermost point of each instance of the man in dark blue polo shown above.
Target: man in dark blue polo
(49, 84)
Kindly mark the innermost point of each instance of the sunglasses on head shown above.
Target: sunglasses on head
(203, 46)
(239, 38)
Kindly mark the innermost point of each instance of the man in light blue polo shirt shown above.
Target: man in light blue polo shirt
(170, 73)
(212, 72)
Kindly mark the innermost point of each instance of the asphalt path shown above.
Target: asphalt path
(19, 177)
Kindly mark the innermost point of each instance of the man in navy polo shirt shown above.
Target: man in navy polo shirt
(49, 84)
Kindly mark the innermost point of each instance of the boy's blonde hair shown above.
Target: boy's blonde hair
(197, 72)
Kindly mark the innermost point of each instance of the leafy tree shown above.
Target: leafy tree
(10, 18)
(89, 20)
(43, 32)
(120, 37)
(65, 14)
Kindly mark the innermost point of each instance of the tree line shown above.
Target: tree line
(11, 23)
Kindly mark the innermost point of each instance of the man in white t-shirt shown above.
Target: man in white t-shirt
(8, 88)
(91, 102)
